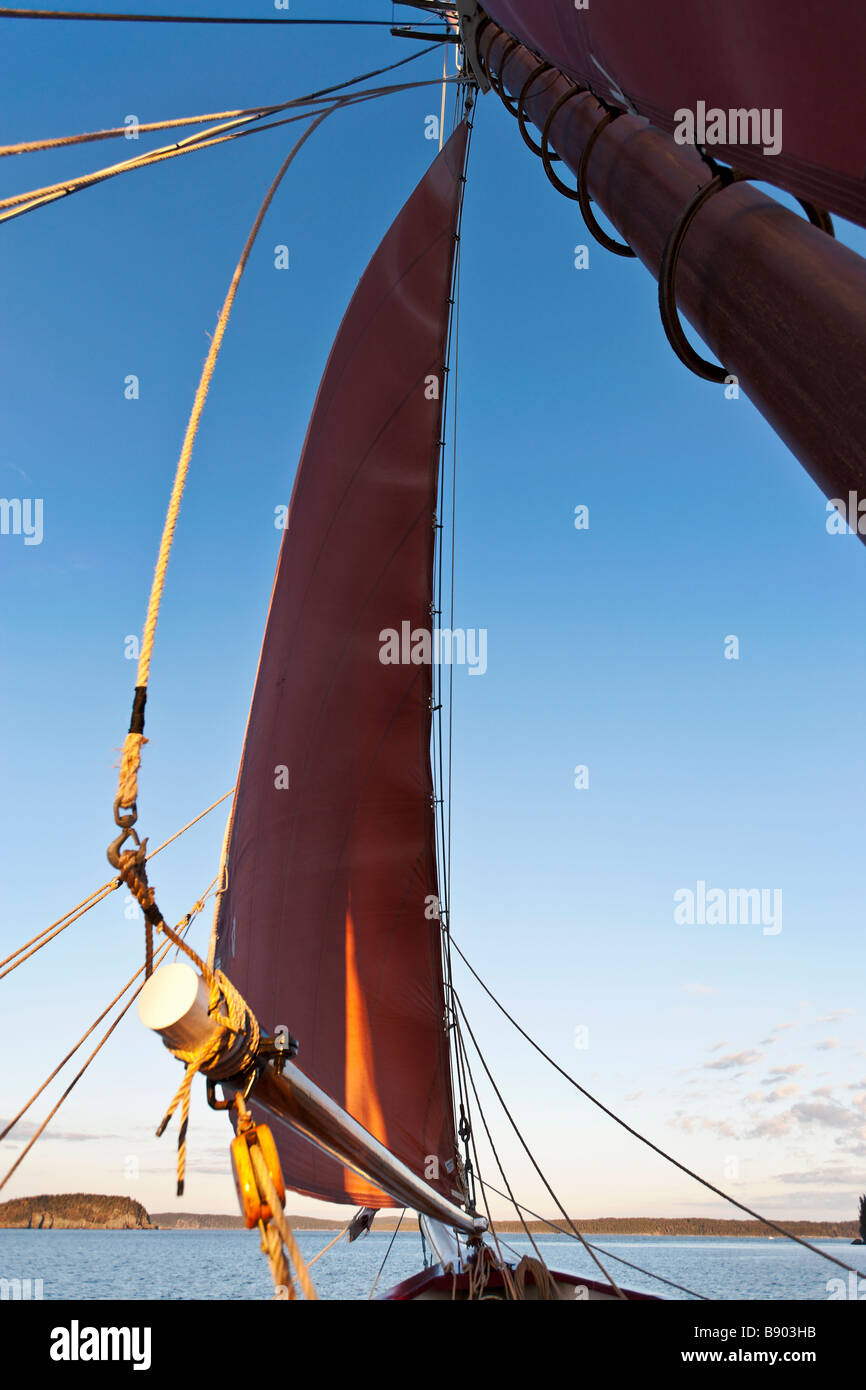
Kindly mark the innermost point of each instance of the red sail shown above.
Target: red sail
(771, 55)
(328, 925)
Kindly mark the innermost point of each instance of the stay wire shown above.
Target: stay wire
(387, 1253)
(774, 1225)
(100, 16)
(438, 760)
(250, 113)
(74, 1082)
(609, 1277)
(461, 1048)
(502, 1174)
(18, 204)
(607, 1253)
(55, 928)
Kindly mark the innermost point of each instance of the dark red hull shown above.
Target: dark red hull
(436, 1283)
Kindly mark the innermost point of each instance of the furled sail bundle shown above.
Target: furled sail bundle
(329, 924)
(799, 66)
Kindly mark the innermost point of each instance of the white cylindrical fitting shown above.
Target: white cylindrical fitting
(174, 1003)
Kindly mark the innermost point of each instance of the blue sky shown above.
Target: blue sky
(605, 646)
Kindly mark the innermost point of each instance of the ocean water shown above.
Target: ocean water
(230, 1265)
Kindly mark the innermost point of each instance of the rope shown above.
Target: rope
(48, 933)
(239, 1023)
(223, 875)
(387, 1253)
(278, 1232)
(338, 1237)
(128, 780)
(273, 1247)
(280, 1224)
(201, 140)
(131, 757)
(251, 111)
(114, 132)
(541, 1276)
(443, 799)
(187, 18)
(643, 1139)
(13, 1122)
(532, 1159)
(74, 1082)
(607, 1253)
(18, 204)
(505, 1271)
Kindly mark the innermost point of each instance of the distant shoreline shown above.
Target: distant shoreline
(95, 1212)
(608, 1226)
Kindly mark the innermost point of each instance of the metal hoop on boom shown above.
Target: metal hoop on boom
(548, 155)
(671, 324)
(619, 248)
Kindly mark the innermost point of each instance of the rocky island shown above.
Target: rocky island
(75, 1211)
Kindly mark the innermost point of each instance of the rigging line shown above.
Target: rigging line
(462, 1089)
(642, 1137)
(131, 756)
(13, 1122)
(454, 477)
(480, 1108)
(201, 140)
(608, 1253)
(502, 1173)
(49, 193)
(531, 1156)
(48, 934)
(387, 1253)
(461, 1049)
(115, 132)
(329, 1246)
(128, 781)
(190, 19)
(63, 140)
(438, 736)
(97, 895)
(450, 402)
(449, 405)
(71, 1053)
(104, 1039)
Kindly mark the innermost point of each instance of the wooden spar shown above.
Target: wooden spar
(175, 1004)
(311, 1113)
(780, 303)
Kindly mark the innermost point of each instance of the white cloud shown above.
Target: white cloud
(782, 1092)
(734, 1059)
